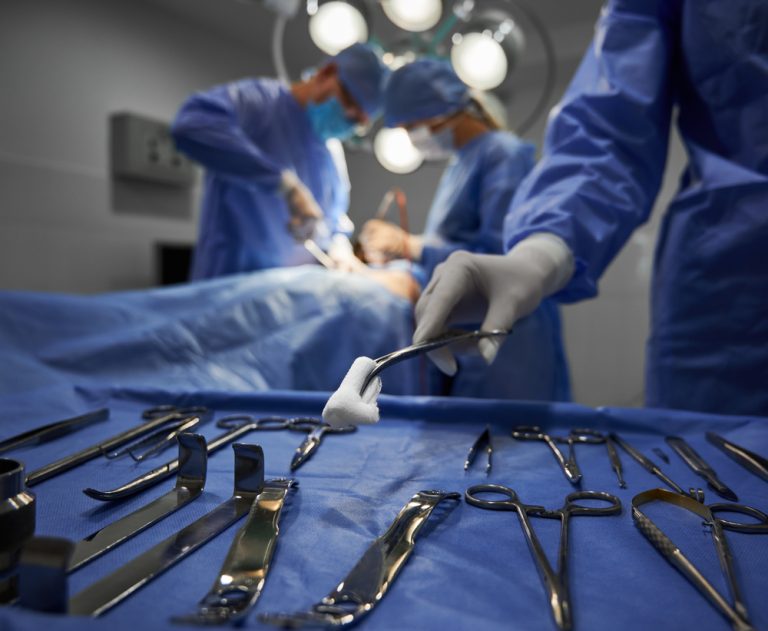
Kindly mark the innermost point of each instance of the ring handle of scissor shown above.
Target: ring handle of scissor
(573, 506)
(510, 501)
(758, 527)
(309, 425)
(266, 423)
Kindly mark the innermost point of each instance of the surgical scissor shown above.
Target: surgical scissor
(555, 582)
(569, 465)
(736, 613)
(314, 427)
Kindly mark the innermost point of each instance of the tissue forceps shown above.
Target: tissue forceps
(555, 582)
(482, 443)
(449, 337)
(736, 613)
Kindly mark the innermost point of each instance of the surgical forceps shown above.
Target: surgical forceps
(585, 435)
(449, 337)
(482, 443)
(555, 582)
(569, 466)
(736, 613)
(317, 430)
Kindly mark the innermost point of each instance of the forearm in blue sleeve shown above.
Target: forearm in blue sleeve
(606, 144)
(207, 129)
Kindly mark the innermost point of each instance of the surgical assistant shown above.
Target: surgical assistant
(706, 61)
(486, 164)
(270, 179)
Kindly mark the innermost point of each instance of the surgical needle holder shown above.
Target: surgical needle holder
(482, 443)
(449, 337)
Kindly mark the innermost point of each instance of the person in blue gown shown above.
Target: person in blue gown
(445, 121)
(270, 180)
(703, 63)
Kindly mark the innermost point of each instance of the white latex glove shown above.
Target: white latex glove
(343, 255)
(304, 209)
(495, 289)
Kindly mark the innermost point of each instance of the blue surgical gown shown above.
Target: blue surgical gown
(245, 134)
(604, 159)
(467, 213)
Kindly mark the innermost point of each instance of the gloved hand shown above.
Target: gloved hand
(304, 209)
(494, 289)
(383, 242)
(343, 255)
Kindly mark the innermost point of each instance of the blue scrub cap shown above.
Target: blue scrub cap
(364, 75)
(423, 89)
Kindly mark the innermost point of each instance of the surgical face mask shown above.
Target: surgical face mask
(433, 146)
(329, 120)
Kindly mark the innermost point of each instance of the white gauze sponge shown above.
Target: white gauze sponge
(347, 406)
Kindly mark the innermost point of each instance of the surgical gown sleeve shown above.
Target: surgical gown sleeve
(215, 129)
(606, 144)
(500, 172)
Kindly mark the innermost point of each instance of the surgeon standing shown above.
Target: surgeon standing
(486, 165)
(706, 61)
(271, 181)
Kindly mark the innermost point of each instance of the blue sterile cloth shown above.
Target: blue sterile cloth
(471, 568)
(292, 329)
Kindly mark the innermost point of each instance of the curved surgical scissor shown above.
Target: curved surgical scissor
(555, 582)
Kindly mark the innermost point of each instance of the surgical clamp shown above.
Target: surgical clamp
(368, 582)
(570, 467)
(699, 466)
(482, 443)
(43, 434)
(584, 435)
(650, 466)
(449, 337)
(317, 430)
(555, 582)
(736, 613)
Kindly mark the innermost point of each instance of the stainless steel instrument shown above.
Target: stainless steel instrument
(42, 571)
(317, 430)
(483, 443)
(736, 612)
(569, 465)
(43, 434)
(649, 465)
(370, 579)
(157, 418)
(746, 458)
(242, 577)
(555, 582)
(17, 523)
(449, 337)
(700, 467)
(190, 481)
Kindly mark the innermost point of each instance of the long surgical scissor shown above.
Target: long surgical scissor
(736, 613)
(555, 582)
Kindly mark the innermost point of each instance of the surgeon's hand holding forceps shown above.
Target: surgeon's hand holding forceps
(736, 613)
(555, 582)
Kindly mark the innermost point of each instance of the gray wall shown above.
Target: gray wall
(64, 226)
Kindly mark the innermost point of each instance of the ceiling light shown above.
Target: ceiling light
(413, 15)
(336, 25)
(479, 60)
(395, 152)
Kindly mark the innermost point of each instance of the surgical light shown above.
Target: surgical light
(336, 25)
(395, 152)
(479, 60)
(413, 15)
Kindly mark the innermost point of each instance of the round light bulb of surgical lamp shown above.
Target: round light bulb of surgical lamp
(413, 15)
(479, 60)
(337, 25)
(395, 152)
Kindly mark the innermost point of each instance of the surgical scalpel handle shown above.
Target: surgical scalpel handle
(371, 577)
(646, 463)
(679, 561)
(157, 474)
(52, 431)
(449, 337)
(699, 466)
(89, 453)
(241, 578)
(746, 458)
